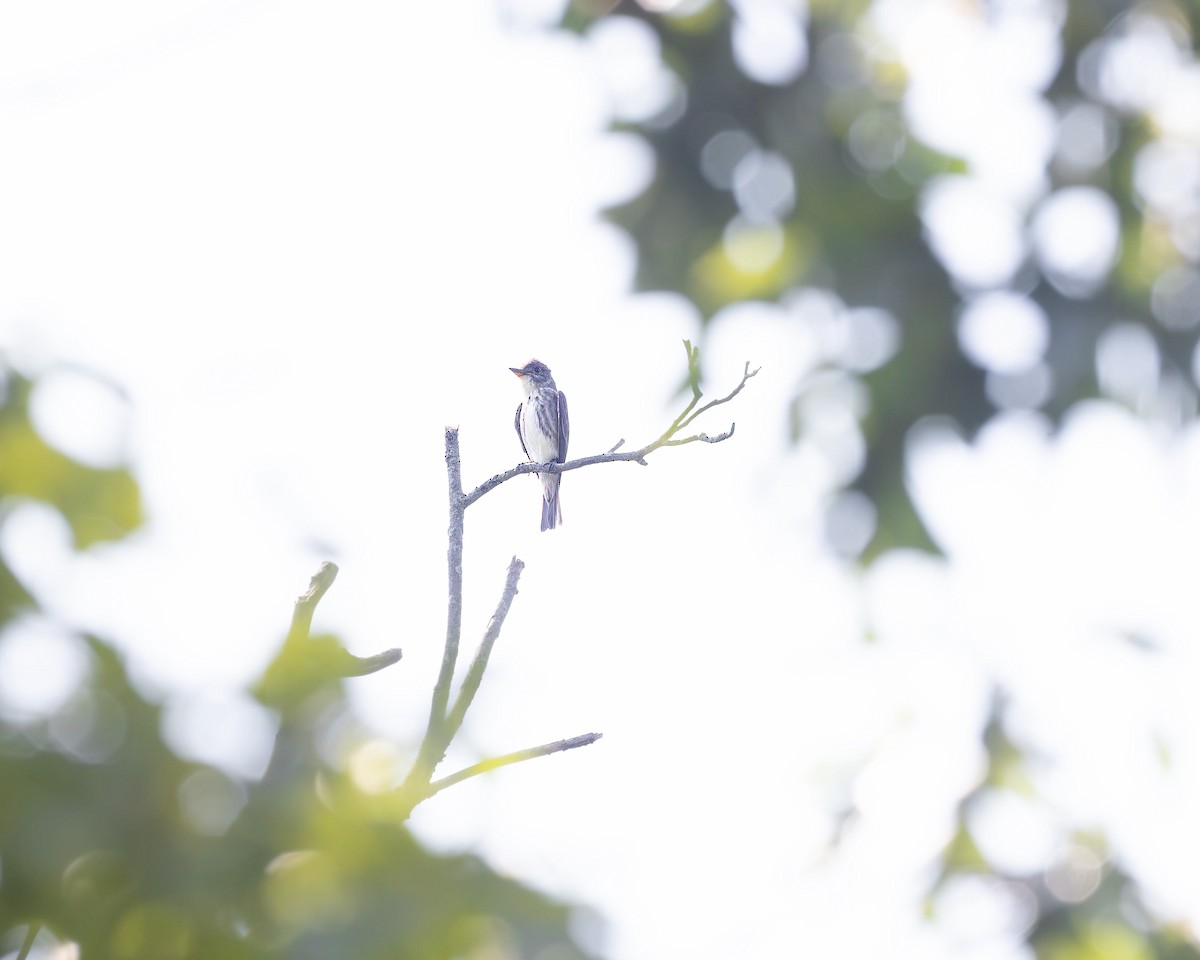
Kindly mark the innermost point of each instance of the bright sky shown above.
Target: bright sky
(303, 240)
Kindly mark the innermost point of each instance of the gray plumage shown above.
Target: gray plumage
(543, 428)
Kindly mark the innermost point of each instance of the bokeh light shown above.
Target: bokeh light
(769, 39)
(41, 667)
(1076, 236)
(1004, 332)
(975, 232)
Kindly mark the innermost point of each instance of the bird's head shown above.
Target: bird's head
(534, 373)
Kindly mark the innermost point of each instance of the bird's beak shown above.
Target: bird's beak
(519, 371)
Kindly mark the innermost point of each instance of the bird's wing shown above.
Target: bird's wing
(520, 435)
(564, 427)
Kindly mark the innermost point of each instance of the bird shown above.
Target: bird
(543, 429)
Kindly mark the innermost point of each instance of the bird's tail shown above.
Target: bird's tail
(551, 509)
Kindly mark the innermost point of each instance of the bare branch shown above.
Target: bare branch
(306, 664)
(306, 603)
(668, 438)
(702, 438)
(341, 663)
(747, 373)
(471, 681)
(434, 743)
(484, 766)
(441, 691)
(364, 666)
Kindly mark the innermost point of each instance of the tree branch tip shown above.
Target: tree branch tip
(518, 756)
(616, 446)
(318, 584)
(364, 666)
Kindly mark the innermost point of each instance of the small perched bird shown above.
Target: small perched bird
(543, 427)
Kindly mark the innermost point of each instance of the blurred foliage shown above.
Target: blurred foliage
(99, 504)
(817, 179)
(1083, 907)
(790, 168)
(111, 841)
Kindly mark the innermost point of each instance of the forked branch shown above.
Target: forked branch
(484, 766)
(446, 717)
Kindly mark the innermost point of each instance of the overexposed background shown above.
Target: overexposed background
(299, 240)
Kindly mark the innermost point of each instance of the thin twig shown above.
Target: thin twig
(470, 684)
(364, 666)
(484, 766)
(703, 438)
(747, 373)
(347, 665)
(305, 664)
(668, 438)
(306, 603)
